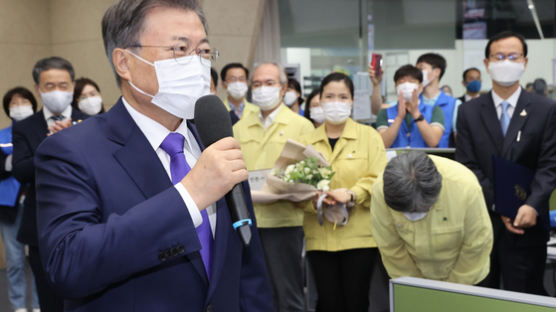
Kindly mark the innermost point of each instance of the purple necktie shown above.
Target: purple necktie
(173, 145)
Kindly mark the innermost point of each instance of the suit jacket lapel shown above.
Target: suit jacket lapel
(517, 121)
(146, 170)
(491, 122)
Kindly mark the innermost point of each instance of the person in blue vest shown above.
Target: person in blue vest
(433, 67)
(19, 103)
(409, 122)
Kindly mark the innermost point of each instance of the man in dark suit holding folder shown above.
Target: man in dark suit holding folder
(518, 126)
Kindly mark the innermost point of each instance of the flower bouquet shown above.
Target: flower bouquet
(298, 175)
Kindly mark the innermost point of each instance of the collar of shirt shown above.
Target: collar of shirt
(512, 100)
(432, 101)
(237, 111)
(156, 133)
(269, 120)
(468, 97)
(47, 114)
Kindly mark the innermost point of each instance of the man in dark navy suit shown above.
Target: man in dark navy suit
(54, 82)
(518, 126)
(131, 211)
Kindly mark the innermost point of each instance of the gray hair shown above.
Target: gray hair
(122, 23)
(411, 182)
(54, 62)
(281, 69)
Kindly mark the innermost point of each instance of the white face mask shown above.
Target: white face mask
(406, 90)
(426, 80)
(506, 73)
(181, 82)
(21, 112)
(57, 101)
(414, 216)
(266, 97)
(317, 114)
(336, 112)
(237, 89)
(91, 105)
(290, 98)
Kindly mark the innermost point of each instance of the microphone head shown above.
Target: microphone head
(212, 119)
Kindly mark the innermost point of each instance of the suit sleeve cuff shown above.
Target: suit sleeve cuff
(194, 212)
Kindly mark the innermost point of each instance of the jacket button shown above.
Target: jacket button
(181, 249)
(174, 251)
(210, 308)
(161, 257)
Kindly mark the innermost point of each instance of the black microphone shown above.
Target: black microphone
(213, 123)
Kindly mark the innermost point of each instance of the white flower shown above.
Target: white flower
(323, 185)
(325, 172)
(309, 177)
(289, 169)
(307, 170)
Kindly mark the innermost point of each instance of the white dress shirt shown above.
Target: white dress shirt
(47, 114)
(269, 120)
(155, 134)
(512, 100)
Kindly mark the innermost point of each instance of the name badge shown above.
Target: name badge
(257, 178)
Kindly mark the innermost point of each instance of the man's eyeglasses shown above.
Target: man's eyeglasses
(514, 57)
(205, 55)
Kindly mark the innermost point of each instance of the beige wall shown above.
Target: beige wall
(24, 38)
(233, 29)
(33, 29)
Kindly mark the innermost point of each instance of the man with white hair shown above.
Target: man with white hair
(429, 220)
(262, 134)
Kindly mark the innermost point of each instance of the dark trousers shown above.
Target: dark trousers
(49, 301)
(343, 278)
(282, 249)
(514, 266)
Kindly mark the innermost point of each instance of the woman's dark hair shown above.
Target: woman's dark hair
(408, 71)
(21, 91)
(307, 112)
(80, 84)
(294, 84)
(335, 76)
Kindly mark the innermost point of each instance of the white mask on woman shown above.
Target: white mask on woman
(21, 112)
(91, 105)
(317, 114)
(266, 97)
(290, 98)
(336, 112)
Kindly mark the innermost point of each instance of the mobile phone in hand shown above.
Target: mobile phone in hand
(376, 62)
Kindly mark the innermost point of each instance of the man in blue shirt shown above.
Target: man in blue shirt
(409, 122)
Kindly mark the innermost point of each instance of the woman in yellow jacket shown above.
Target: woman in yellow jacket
(342, 257)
